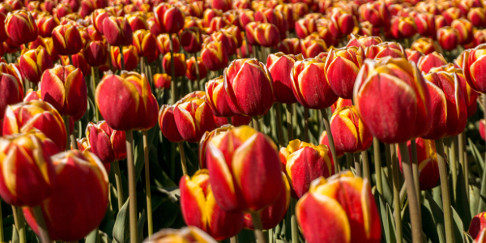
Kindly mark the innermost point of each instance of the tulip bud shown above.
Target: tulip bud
(340, 208)
(168, 125)
(397, 83)
(64, 87)
(188, 234)
(305, 26)
(341, 68)
(33, 63)
(424, 45)
(96, 53)
(162, 80)
(312, 47)
(27, 175)
(311, 88)
(106, 143)
(200, 209)
(67, 39)
(130, 57)
(427, 162)
(117, 31)
(264, 34)
(20, 27)
(477, 16)
(477, 227)
(425, 24)
(342, 22)
(244, 164)
(169, 18)
(145, 43)
(472, 64)
(218, 99)
(81, 186)
(130, 91)
(137, 22)
(249, 87)
(11, 87)
(385, 49)
(448, 38)
(430, 61)
(46, 25)
(376, 13)
(179, 64)
(214, 55)
(98, 17)
(192, 73)
(280, 65)
(191, 39)
(163, 43)
(464, 29)
(403, 27)
(203, 143)
(289, 46)
(363, 41)
(413, 55)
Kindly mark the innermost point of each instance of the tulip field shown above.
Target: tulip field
(268, 121)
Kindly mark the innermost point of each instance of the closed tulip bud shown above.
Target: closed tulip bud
(98, 17)
(425, 23)
(367, 29)
(376, 13)
(265, 34)
(399, 84)
(413, 55)
(67, 39)
(451, 14)
(162, 80)
(168, 125)
(310, 86)
(106, 143)
(427, 162)
(81, 186)
(78, 61)
(448, 38)
(312, 47)
(218, 99)
(341, 68)
(203, 144)
(473, 63)
(20, 27)
(305, 162)
(145, 42)
(199, 208)
(11, 88)
(214, 55)
(305, 26)
(227, 39)
(64, 87)
(27, 175)
(163, 43)
(340, 208)
(32, 95)
(424, 45)
(385, 49)
(169, 18)
(477, 227)
(137, 22)
(342, 22)
(136, 107)
(431, 60)
(349, 132)
(477, 16)
(130, 57)
(440, 22)
(464, 29)
(403, 27)
(33, 63)
(273, 16)
(234, 160)
(38, 115)
(217, 23)
(62, 10)
(192, 72)
(189, 234)
(280, 65)
(83, 144)
(46, 25)
(96, 53)
(363, 41)
(272, 215)
(249, 87)
(340, 102)
(180, 66)
(117, 31)
(191, 39)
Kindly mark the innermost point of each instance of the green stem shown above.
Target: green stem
(148, 194)
(366, 165)
(256, 123)
(94, 78)
(173, 84)
(198, 78)
(119, 185)
(122, 59)
(462, 161)
(279, 124)
(132, 191)
(41, 225)
(444, 186)
(330, 139)
(257, 224)
(183, 158)
(306, 124)
(70, 59)
(453, 163)
(396, 192)
(68, 132)
(357, 165)
(377, 160)
(19, 224)
(415, 171)
(234, 239)
(290, 131)
(293, 222)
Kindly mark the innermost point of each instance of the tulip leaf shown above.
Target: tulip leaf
(481, 207)
(458, 227)
(121, 228)
(476, 154)
(461, 203)
(437, 214)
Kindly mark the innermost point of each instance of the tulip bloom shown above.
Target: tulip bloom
(244, 170)
(33, 63)
(398, 84)
(385, 49)
(477, 227)
(96, 53)
(106, 143)
(145, 43)
(431, 60)
(130, 57)
(280, 65)
(424, 45)
(413, 55)
(403, 27)
(339, 209)
(312, 46)
(264, 34)
(20, 27)
(64, 87)
(305, 162)
(35, 115)
(162, 81)
(169, 18)
(363, 41)
(249, 87)
(27, 175)
(163, 43)
(310, 85)
(11, 88)
(203, 143)
(191, 39)
(168, 125)
(199, 208)
(81, 186)
(117, 31)
(192, 73)
(289, 46)
(427, 162)
(218, 99)
(126, 102)
(448, 38)
(473, 64)
(180, 66)
(214, 55)
(186, 234)
(342, 67)
(67, 39)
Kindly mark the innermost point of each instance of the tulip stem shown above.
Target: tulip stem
(19, 224)
(122, 64)
(234, 239)
(377, 160)
(198, 78)
(331, 140)
(290, 135)
(413, 203)
(306, 124)
(279, 124)
(415, 171)
(293, 222)
(183, 158)
(256, 123)
(462, 161)
(119, 185)
(173, 83)
(257, 224)
(357, 166)
(148, 194)
(132, 193)
(71, 144)
(41, 225)
(366, 165)
(453, 163)
(444, 186)
(391, 154)
(93, 90)
(70, 60)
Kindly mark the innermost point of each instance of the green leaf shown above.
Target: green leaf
(458, 227)
(476, 154)
(121, 228)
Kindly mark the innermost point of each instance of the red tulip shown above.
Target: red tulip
(341, 69)
(20, 27)
(67, 39)
(106, 143)
(117, 31)
(280, 66)
(169, 18)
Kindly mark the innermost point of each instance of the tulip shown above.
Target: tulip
(312, 47)
(425, 23)
(427, 163)
(424, 45)
(403, 27)
(339, 209)
(342, 22)
(273, 16)
(385, 49)
(67, 39)
(162, 81)
(223, 5)
(194, 73)
(145, 43)
(280, 65)
(227, 39)
(305, 26)
(311, 88)
(218, 99)
(78, 61)
(203, 143)
(11, 88)
(413, 55)
(35, 115)
(191, 39)
(341, 68)
(244, 170)
(464, 29)
(186, 234)
(249, 87)
(20, 27)
(340, 103)
(289, 46)
(363, 41)
(477, 227)
(81, 186)
(448, 38)
(137, 22)
(214, 55)
(473, 63)
(169, 18)
(477, 16)
(264, 34)
(106, 143)
(130, 58)
(96, 53)
(305, 162)
(179, 60)
(168, 125)
(136, 107)
(431, 60)
(27, 175)
(33, 63)
(83, 145)
(163, 43)
(376, 13)
(397, 83)
(199, 208)
(64, 87)
(98, 17)
(117, 31)
(46, 24)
